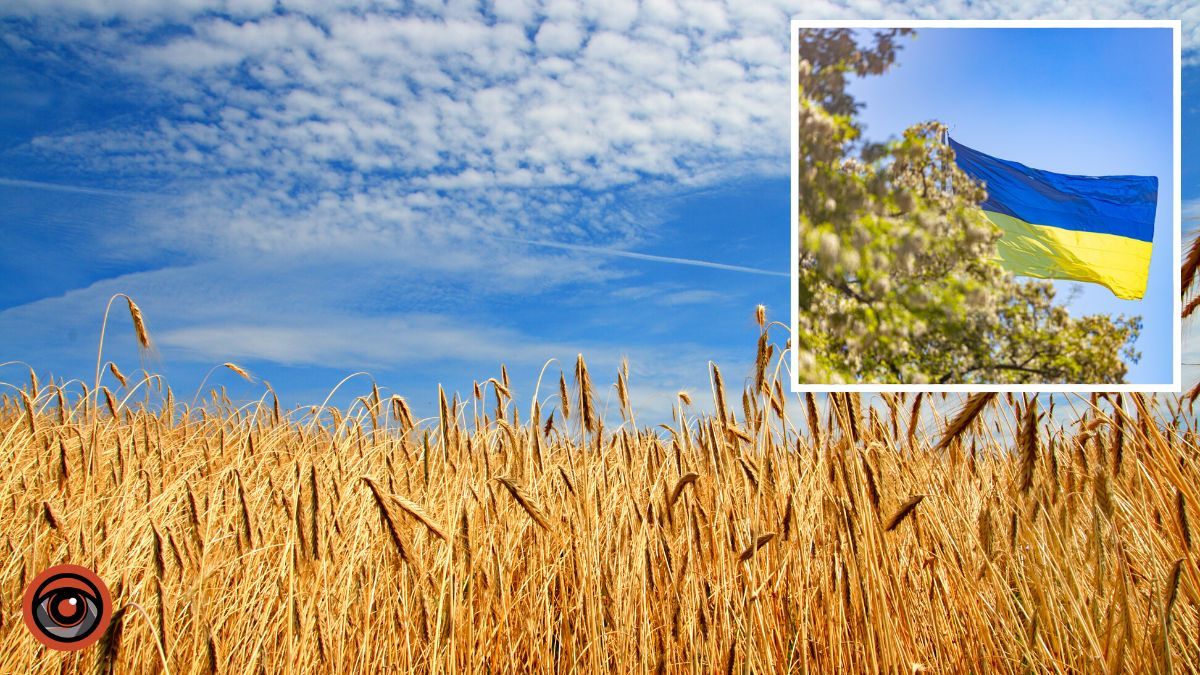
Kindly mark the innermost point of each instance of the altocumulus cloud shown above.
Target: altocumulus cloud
(328, 124)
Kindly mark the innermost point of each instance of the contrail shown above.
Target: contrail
(58, 187)
(645, 256)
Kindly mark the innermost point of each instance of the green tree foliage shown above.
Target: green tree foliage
(897, 279)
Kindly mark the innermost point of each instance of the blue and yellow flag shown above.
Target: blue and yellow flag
(1096, 229)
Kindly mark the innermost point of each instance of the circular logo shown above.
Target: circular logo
(67, 607)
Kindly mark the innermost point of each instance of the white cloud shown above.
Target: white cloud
(453, 99)
(670, 294)
(359, 341)
(424, 105)
(615, 15)
(559, 38)
(692, 297)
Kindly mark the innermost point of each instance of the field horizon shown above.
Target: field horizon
(490, 539)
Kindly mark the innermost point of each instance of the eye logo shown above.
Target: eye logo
(67, 607)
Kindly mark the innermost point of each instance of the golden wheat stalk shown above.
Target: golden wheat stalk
(413, 509)
(583, 382)
(241, 372)
(758, 543)
(139, 323)
(531, 507)
(975, 405)
(903, 512)
(116, 372)
(684, 481)
(381, 501)
(564, 401)
(1027, 442)
(30, 419)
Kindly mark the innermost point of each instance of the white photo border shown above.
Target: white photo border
(1175, 386)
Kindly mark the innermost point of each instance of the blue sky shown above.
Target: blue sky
(1078, 101)
(311, 189)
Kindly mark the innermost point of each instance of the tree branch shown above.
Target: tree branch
(999, 366)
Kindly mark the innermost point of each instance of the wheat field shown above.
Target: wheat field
(780, 533)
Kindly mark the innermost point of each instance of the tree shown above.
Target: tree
(897, 279)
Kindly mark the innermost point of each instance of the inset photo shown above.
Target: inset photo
(986, 205)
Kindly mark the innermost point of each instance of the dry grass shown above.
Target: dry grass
(884, 538)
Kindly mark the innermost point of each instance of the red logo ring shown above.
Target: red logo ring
(67, 607)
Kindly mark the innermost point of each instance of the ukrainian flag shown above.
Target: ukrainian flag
(1096, 229)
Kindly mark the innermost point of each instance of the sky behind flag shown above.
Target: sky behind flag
(1090, 102)
(312, 189)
